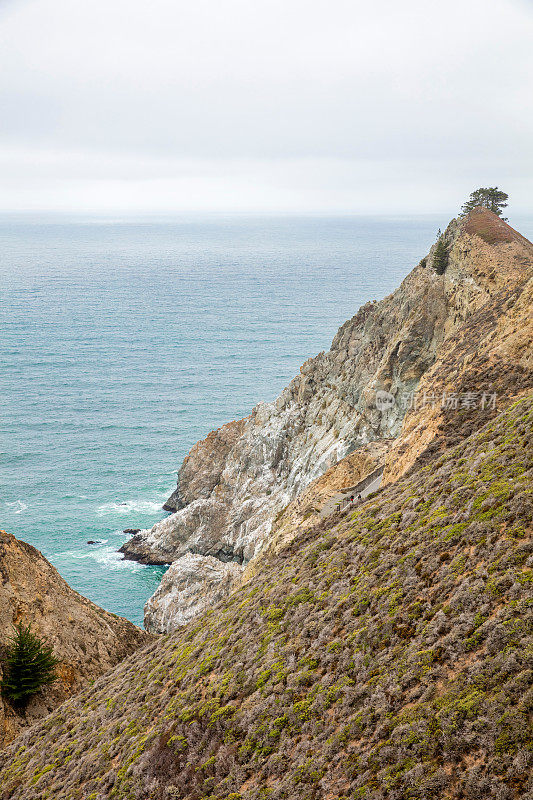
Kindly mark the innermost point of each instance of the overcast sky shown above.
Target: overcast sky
(264, 105)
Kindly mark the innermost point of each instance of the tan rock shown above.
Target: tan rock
(490, 353)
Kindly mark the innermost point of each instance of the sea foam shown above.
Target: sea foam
(17, 507)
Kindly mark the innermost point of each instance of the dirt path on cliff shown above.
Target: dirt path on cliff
(341, 499)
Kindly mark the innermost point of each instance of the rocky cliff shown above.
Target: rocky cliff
(385, 653)
(488, 360)
(87, 640)
(234, 484)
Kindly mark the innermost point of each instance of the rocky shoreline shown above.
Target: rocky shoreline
(377, 649)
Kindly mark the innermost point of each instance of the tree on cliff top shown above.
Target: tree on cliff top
(492, 198)
(30, 665)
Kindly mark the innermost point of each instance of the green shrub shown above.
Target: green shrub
(440, 257)
(29, 665)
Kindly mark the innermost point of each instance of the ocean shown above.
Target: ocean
(125, 341)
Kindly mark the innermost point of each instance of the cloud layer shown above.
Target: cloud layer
(229, 105)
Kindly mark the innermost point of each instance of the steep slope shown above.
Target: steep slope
(383, 654)
(87, 640)
(236, 482)
(487, 362)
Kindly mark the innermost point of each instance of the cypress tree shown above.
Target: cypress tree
(489, 197)
(440, 257)
(29, 665)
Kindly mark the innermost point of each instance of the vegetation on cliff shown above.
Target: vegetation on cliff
(381, 654)
(30, 665)
(440, 257)
(386, 653)
(238, 486)
(487, 197)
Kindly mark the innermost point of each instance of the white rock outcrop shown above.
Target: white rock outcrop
(190, 585)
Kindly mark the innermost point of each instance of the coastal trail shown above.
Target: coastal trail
(364, 488)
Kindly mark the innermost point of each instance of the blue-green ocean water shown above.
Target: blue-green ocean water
(124, 342)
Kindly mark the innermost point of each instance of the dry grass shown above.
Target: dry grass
(489, 227)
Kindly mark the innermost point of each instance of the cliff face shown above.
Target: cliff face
(239, 479)
(87, 640)
(384, 653)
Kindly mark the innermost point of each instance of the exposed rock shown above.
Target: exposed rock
(488, 361)
(192, 584)
(305, 511)
(215, 448)
(233, 484)
(87, 640)
(174, 502)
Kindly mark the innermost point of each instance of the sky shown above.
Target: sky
(264, 106)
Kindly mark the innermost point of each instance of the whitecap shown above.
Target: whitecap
(106, 557)
(129, 507)
(18, 506)
(110, 559)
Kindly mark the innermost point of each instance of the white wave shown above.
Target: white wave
(129, 507)
(107, 557)
(18, 506)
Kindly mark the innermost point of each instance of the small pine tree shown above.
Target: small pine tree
(30, 665)
(440, 257)
(491, 197)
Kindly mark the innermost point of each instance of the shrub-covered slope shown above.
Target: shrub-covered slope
(382, 654)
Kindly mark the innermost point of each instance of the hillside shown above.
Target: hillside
(87, 640)
(252, 477)
(383, 654)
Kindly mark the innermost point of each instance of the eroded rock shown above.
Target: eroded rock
(191, 584)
